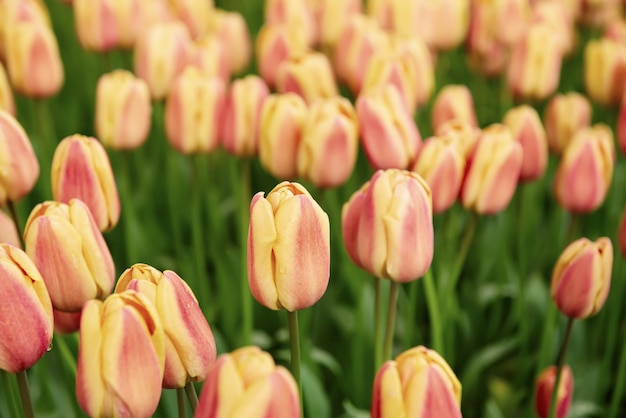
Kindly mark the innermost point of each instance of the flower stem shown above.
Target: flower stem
(180, 400)
(294, 337)
(128, 210)
(378, 324)
(8, 385)
(16, 221)
(619, 385)
(391, 319)
(433, 311)
(27, 404)
(559, 367)
(190, 390)
(246, 300)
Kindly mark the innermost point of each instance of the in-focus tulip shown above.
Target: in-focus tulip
(231, 29)
(543, 392)
(209, 54)
(565, 115)
(296, 13)
(81, 170)
(8, 231)
(527, 129)
(189, 342)
(66, 322)
(247, 383)
(582, 277)
(121, 357)
(585, 171)
(123, 110)
(19, 168)
(25, 311)
(605, 70)
(68, 249)
(7, 103)
(276, 44)
(492, 171)
(310, 76)
(387, 226)
(330, 141)
(288, 248)
(419, 383)
(463, 131)
(453, 102)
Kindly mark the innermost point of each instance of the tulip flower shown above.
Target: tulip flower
(195, 14)
(526, 127)
(7, 104)
(332, 16)
(247, 383)
(70, 252)
(189, 342)
(123, 110)
(121, 357)
(487, 53)
(25, 311)
(463, 131)
(605, 70)
(276, 44)
(453, 102)
(565, 115)
(556, 15)
(210, 55)
(288, 248)
(81, 170)
(419, 383)
(543, 392)
(598, 12)
(295, 13)
(231, 29)
(8, 230)
(387, 226)
(19, 168)
(310, 76)
(582, 277)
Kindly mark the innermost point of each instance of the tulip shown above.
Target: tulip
(526, 127)
(210, 55)
(616, 30)
(565, 115)
(19, 168)
(231, 29)
(25, 11)
(193, 111)
(121, 357)
(582, 277)
(419, 383)
(7, 104)
(621, 235)
(620, 129)
(390, 137)
(123, 110)
(288, 248)
(66, 322)
(295, 13)
(511, 19)
(543, 392)
(310, 76)
(81, 170)
(387, 226)
(605, 70)
(68, 249)
(25, 311)
(247, 383)
(380, 11)
(276, 44)
(195, 14)
(453, 102)
(242, 116)
(189, 342)
(332, 16)
(487, 53)
(330, 141)
(584, 175)
(598, 12)
(463, 131)
(8, 230)
(492, 171)
(560, 21)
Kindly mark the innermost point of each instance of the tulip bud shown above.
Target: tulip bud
(231, 29)
(25, 11)
(453, 102)
(295, 13)
(210, 55)
(66, 322)
(123, 110)
(310, 76)
(120, 357)
(559, 20)
(387, 226)
(487, 53)
(276, 44)
(526, 127)
(511, 19)
(390, 137)
(288, 248)
(330, 142)
(25, 311)
(419, 383)
(68, 249)
(332, 16)
(605, 70)
(543, 392)
(195, 14)
(380, 11)
(492, 171)
(8, 230)
(7, 103)
(565, 115)
(467, 134)
(242, 116)
(19, 168)
(247, 383)
(584, 175)
(582, 277)
(282, 121)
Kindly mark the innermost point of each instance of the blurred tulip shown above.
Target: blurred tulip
(19, 168)
(288, 248)
(419, 383)
(597, 13)
(195, 14)
(605, 70)
(231, 29)
(330, 141)
(565, 115)
(23, 11)
(584, 175)
(620, 129)
(454, 101)
(527, 129)
(543, 392)
(247, 383)
(310, 76)
(621, 235)
(7, 103)
(380, 11)
(616, 30)
(66, 322)
(511, 19)
(210, 55)
(68, 249)
(332, 16)
(158, 12)
(8, 231)
(582, 277)
(556, 16)
(295, 13)
(467, 134)
(25, 311)
(121, 356)
(487, 53)
(276, 44)
(387, 226)
(123, 110)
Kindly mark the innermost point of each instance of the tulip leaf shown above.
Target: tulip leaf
(351, 411)
(316, 402)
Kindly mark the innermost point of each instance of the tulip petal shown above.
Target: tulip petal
(261, 259)
(387, 399)
(89, 380)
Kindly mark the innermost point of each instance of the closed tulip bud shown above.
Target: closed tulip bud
(121, 357)
(565, 115)
(605, 70)
(19, 168)
(310, 76)
(189, 342)
(195, 14)
(486, 52)
(11, 12)
(419, 383)
(621, 235)
(582, 277)
(25, 311)
(560, 21)
(389, 134)
(81, 170)
(527, 129)
(247, 383)
(193, 111)
(231, 29)
(467, 134)
(332, 17)
(7, 103)
(288, 248)
(492, 171)
(584, 175)
(68, 249)
(8, 230)
(276, 44)
(387, 226)
(295, 13)
(242, 116)
(453, 102)
(543, 392)
(282, 121)
(66, 322)
(210, 55)
(123, 110)
(380, 11)
(330, 142)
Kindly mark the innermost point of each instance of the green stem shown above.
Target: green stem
(27, 404)
(16, 221)
(559, 367)
(294, 337)
(391, 320)
(433, 310)
(378, 324)
(246, 300)
(190, 390)
(66, 353)
(197, 231)
(9, 390)
(128, 211)
(618, 391)
(180, 401)
(410, 324)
